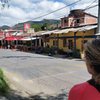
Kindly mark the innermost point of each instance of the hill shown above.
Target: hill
(4, 27)
(49, 22)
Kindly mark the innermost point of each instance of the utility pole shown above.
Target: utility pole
(98, 30)
(98, 16)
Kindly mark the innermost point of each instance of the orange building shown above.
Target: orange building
(78, 18)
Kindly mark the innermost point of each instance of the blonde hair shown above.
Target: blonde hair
(92, 55)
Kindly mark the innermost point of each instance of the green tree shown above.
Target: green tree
(45, 26)
(4, 3)
(37, 27)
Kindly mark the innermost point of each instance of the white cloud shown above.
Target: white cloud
(93, 10)
(21, 3)
(23, 10)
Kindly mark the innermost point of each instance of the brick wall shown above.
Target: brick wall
(84, 19)
(90, 19)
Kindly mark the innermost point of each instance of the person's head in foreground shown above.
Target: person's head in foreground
(89, 90)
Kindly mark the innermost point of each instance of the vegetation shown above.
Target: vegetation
(76, 53)
(4, 87)
(4, 27)
(46, 24)
(50, 50)
(37, 27)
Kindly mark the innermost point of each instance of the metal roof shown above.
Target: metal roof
(84, 28)
(49, 32)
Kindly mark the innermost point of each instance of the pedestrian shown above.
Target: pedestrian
(89, 90)
(9, 46)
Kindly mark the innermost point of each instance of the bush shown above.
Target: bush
(46, 50)
(53, 50)
(61, 52)
(76, 53)
(4, 87)
(50, 50)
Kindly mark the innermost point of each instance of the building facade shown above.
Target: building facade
(78, 18)
(72, 39)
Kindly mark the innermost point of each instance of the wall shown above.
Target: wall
(90, 19)
(84, 18)
(80, 37)
(63, 24)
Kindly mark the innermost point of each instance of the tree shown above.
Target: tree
(37, 27)
(45, 26)
(4, 3)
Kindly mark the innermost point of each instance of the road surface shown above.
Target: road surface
(39, 73)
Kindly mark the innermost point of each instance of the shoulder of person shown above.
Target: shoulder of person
(77, 90)
(79, 87)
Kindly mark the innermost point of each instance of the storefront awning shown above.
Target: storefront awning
(28, 38)
(12, 38)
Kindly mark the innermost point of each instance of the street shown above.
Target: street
(39, 73)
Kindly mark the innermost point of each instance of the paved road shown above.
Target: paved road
(40, 73)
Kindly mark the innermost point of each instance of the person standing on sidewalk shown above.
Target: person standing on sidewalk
(89, 90)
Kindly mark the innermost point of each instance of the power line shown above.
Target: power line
(83, 10)
(53, 11)
(89, 6)
(56, 10)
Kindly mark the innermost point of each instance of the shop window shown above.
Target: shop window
(55, 43)
(70, 44)
(64, 42)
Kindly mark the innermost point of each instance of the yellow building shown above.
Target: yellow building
(72, 38)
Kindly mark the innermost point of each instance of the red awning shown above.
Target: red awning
(10, 38)
(13, 38)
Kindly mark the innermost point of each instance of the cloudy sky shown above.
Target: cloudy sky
(24, 10)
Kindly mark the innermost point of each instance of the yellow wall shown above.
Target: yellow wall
(78, 40)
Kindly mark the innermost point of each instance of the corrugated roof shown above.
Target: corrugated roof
(87, 28)
(49, 32)
(84, 28)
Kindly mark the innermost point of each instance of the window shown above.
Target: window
(85, 41)
(78, 21)
(65, 21)
(64, 42)
(55, 43)
(70, 44)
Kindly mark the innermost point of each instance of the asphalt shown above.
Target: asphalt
(36, 73)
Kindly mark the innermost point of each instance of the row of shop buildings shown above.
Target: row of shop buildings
(76, 29)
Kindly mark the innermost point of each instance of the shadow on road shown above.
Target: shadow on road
(14, 96)
(25, 57)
